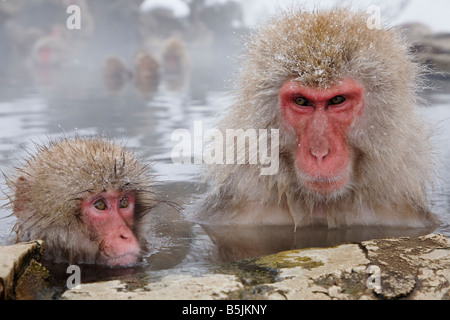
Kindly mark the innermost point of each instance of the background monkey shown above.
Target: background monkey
(146, 72)
(353, 148)
(115, 74)
(175, 58)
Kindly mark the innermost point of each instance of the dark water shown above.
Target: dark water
(38, 104)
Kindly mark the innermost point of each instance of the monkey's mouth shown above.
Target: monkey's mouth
(325, 185)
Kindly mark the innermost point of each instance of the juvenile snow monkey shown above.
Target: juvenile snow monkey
(86, 198)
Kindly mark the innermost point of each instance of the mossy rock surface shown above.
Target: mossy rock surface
(288, 259)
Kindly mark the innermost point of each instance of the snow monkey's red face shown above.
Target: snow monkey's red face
(321, 120)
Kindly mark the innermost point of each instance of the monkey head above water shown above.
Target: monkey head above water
(353, 149)
(86, 198)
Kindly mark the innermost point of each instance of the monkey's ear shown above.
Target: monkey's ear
(22, 186)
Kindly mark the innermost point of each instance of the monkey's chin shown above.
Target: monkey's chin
(122, 261)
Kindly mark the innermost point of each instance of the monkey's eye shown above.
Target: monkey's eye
(337, 100)
(301, 101)
(100, 205)
(123, 203)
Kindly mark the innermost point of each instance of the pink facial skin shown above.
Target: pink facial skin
(110, 217)
(321, 119)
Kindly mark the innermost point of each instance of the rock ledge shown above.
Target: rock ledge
(399, 268)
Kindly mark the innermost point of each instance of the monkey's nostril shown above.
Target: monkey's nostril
(320, 154)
